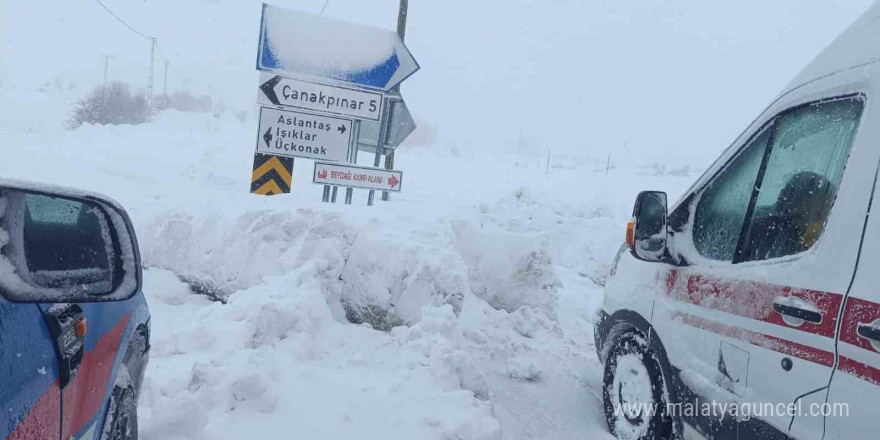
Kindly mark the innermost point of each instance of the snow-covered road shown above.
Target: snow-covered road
(474, 289)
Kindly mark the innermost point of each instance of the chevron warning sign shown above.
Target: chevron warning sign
(272, 174)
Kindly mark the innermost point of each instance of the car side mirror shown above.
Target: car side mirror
(646, 232)
(65, 246)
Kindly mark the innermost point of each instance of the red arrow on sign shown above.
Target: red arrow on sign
(393, 181)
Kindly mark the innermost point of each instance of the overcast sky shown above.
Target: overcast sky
(671, 76)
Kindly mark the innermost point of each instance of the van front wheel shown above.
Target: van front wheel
(634, 391)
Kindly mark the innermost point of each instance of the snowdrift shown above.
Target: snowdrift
(367, 272)
(461, 309)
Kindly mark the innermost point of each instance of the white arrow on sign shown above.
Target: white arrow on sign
(298, 134)
(357, 177)
(287, 92)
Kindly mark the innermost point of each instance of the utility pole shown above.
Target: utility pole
(107, 58)
(401, 20)
(547, 169)
(165, 81)
(401, 31)
(150, 81)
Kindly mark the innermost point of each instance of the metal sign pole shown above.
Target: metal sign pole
(389, 155)
(352, 154)
(326, 197)
(401, 31)
(389, 165)
(383, 130)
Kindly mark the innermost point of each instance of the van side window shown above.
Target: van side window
(721, 211)
(805, 166)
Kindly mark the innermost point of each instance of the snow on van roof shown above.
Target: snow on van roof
(859, 44)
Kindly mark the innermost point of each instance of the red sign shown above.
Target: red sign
(357, 177)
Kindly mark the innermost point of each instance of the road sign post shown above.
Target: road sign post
(321, 102)
(353, 157)
(402, 13)
(383, 129)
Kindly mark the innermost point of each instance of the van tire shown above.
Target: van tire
(633, 376)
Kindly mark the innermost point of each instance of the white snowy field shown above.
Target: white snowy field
(487, 267)
(480, 279)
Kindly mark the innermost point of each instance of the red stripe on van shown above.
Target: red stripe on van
(858, 311)
(783, 346)
(860, 370)
(752, 299)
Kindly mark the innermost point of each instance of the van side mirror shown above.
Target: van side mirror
(646, 232)
(65, 246)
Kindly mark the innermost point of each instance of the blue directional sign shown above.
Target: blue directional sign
(306, 45)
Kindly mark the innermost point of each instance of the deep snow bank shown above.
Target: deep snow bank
(369, 272)
(273, 363)
(483, 285)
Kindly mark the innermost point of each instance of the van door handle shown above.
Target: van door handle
(796, 308)
(869, 332)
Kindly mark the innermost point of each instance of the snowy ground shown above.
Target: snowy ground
(488, 270)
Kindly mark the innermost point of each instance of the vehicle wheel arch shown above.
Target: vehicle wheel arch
(137, 356)
(618, 323)
(627, 321)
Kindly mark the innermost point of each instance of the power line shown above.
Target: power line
(325, 7)
(154, 50)
(160, 51)
(141, 34)
(121, 20)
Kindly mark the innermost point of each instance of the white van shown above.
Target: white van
(752, 310)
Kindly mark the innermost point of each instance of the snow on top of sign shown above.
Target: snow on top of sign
(859, 44)
(318, 45)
